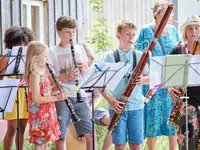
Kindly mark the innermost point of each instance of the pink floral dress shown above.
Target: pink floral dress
(43, 122)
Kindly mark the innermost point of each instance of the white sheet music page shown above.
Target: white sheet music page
(194, 71)
(10, 68)
(156, 70)
(5, 91)
(109, 78)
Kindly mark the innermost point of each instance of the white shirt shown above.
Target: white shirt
(61, 60)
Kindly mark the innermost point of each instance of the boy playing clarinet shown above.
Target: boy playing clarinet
(62, 58)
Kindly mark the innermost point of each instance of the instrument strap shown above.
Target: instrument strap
(117, 57)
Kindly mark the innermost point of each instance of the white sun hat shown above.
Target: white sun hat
(192, 19)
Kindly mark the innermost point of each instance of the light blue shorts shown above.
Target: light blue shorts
(82, 110)
(129, 127)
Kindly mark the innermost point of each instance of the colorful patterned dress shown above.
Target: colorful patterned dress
(43, 122)
(156, 111)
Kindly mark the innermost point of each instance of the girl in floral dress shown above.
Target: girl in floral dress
(44, 126)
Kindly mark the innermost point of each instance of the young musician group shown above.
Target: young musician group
(48, 115)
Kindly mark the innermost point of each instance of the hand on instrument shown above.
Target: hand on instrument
(72, 74)
(79, 64)
(62, 96)
(82, 66)
(117, 105)
(174, 93)
(138, 81)
(54, 88)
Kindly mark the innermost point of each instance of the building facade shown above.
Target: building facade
(40, 16)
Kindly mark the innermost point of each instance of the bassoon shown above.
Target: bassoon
(139, 68)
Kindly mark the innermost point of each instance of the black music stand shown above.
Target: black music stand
(15, 67)
(104, 76)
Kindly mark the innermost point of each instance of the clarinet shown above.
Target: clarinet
(74, 117)
(79, 98)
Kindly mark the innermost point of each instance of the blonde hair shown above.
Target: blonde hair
(191, 20)
(159, 6)
(125, 23)
(35, 48)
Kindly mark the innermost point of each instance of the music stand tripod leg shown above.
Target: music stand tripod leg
(18, 121)
(92, 119)
(186, 117)
(93, 130)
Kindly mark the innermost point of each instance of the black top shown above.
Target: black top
(192, 92)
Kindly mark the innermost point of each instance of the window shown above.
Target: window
(33, 17)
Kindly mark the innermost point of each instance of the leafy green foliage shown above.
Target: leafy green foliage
(100, 37)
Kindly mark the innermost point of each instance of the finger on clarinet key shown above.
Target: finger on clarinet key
(54, 88)
(64, 95)
(76, 72)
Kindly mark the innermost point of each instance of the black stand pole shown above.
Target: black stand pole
(92, 119)
(18, 121)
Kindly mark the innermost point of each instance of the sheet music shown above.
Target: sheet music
(176, 73)
(111, 78)
(5, 93)
(194, 69)
(10, 68)
(156, 70)
(16, 48)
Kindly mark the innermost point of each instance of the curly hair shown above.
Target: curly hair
(15, 35)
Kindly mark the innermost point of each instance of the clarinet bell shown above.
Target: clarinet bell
(75, 118)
